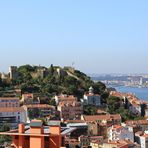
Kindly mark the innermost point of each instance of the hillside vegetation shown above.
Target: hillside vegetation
(52, 80)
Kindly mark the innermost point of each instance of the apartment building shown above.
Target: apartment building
(91, 98)
(12, 115)
(142, 138)
(70, 110)
(9, 102)
(118, 132)
(39, 110)
(98, 124)
(64, 97)
(11, 112)
(107, 119)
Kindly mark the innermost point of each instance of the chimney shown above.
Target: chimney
(55, 130)
(55, 136)
(21, 128)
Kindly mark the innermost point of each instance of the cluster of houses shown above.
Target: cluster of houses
(67, 126)
(15, 110)
(133, 103)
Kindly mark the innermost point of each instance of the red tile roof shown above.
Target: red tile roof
(72, 103)
(138, 122)
(67, 97)
(39, 106)
(9, 98)
(89, 118)
(11, 109)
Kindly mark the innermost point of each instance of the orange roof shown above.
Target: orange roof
(92, 118)
(9, 98)
(72, 103)
(117, 126)
(143, 122)
(145, 135)
(74, 121)
(39, 106)
(67, 97)
(117, 94)
(11, 109)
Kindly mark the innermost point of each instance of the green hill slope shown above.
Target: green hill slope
(53, 80)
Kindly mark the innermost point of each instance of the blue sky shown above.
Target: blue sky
(99, 36)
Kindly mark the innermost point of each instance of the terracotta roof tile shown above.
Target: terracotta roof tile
(9, 98)
(11, 109)
(39, 106)
(92, 118)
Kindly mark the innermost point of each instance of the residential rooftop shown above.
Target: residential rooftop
(90, 118)
(12, 109)
(39, 106)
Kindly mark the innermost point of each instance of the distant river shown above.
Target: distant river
(141, 93)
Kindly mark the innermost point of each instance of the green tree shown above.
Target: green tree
(99, 87)
(69, 80)
(104, 97)
(113, 104)
(3, 138)
(52, 102)
(51, 69)
(126, 103)
(34, 113)
(90, 110)
(143, 106)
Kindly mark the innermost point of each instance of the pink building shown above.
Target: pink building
(70, 110)
(63, 97)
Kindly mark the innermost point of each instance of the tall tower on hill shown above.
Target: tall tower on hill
(13, 72)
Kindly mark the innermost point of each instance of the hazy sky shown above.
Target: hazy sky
(99, 36)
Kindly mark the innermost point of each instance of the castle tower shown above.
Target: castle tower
(13, 72)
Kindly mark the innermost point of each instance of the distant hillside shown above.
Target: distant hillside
(52, 80)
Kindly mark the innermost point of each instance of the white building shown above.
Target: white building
(11, 112)
(12, 115)
(91, 98)
(142, 139)
(117, 132)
